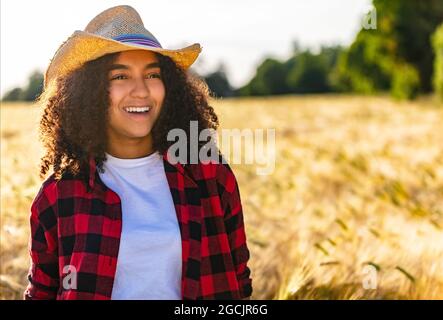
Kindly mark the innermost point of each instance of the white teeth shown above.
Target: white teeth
(137, 109)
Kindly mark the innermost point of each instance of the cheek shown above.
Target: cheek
(158, 90)
(116, 94)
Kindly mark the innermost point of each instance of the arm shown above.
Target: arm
(43, 273)
(235, 229)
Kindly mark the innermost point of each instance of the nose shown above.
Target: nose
(140, 89)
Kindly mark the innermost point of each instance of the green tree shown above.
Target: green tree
(34, 87)
(32, 90)
(218, 82)
(405, 82)
(303, 72)
(367, 65)
(437, 40)
(14, 94)
(268, 80)
(310, 75)
(401, 41)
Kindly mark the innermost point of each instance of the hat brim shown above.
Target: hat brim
(82, 47)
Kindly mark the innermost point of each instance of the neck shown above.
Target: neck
(130, 148)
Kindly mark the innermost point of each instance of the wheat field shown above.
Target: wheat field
(356, 196)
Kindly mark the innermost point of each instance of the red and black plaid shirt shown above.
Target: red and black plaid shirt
(73, 227)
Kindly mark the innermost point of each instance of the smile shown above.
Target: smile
(137, 109)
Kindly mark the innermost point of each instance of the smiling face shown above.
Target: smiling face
(136, 93)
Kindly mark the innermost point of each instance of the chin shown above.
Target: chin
(138, 134)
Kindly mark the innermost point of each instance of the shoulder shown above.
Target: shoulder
(43, 205)
(52, 188)
(47, 193)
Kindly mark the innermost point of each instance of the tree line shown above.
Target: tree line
(402, 55)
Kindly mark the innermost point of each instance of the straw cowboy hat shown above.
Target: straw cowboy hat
(116, 29)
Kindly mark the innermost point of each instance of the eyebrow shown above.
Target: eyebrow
(125, 67)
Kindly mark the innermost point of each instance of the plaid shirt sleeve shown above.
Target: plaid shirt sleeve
(235, 228)
(43, 273)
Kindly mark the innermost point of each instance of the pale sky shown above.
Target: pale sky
(239, 33)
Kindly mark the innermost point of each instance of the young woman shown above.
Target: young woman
(117, 219)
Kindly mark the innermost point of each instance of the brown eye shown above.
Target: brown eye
(119, 77)
(154, 75)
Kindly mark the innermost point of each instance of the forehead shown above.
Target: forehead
(136, 57)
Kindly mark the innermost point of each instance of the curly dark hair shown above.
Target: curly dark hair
(75, 113)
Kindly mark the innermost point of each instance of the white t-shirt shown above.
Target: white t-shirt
(149, 264)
